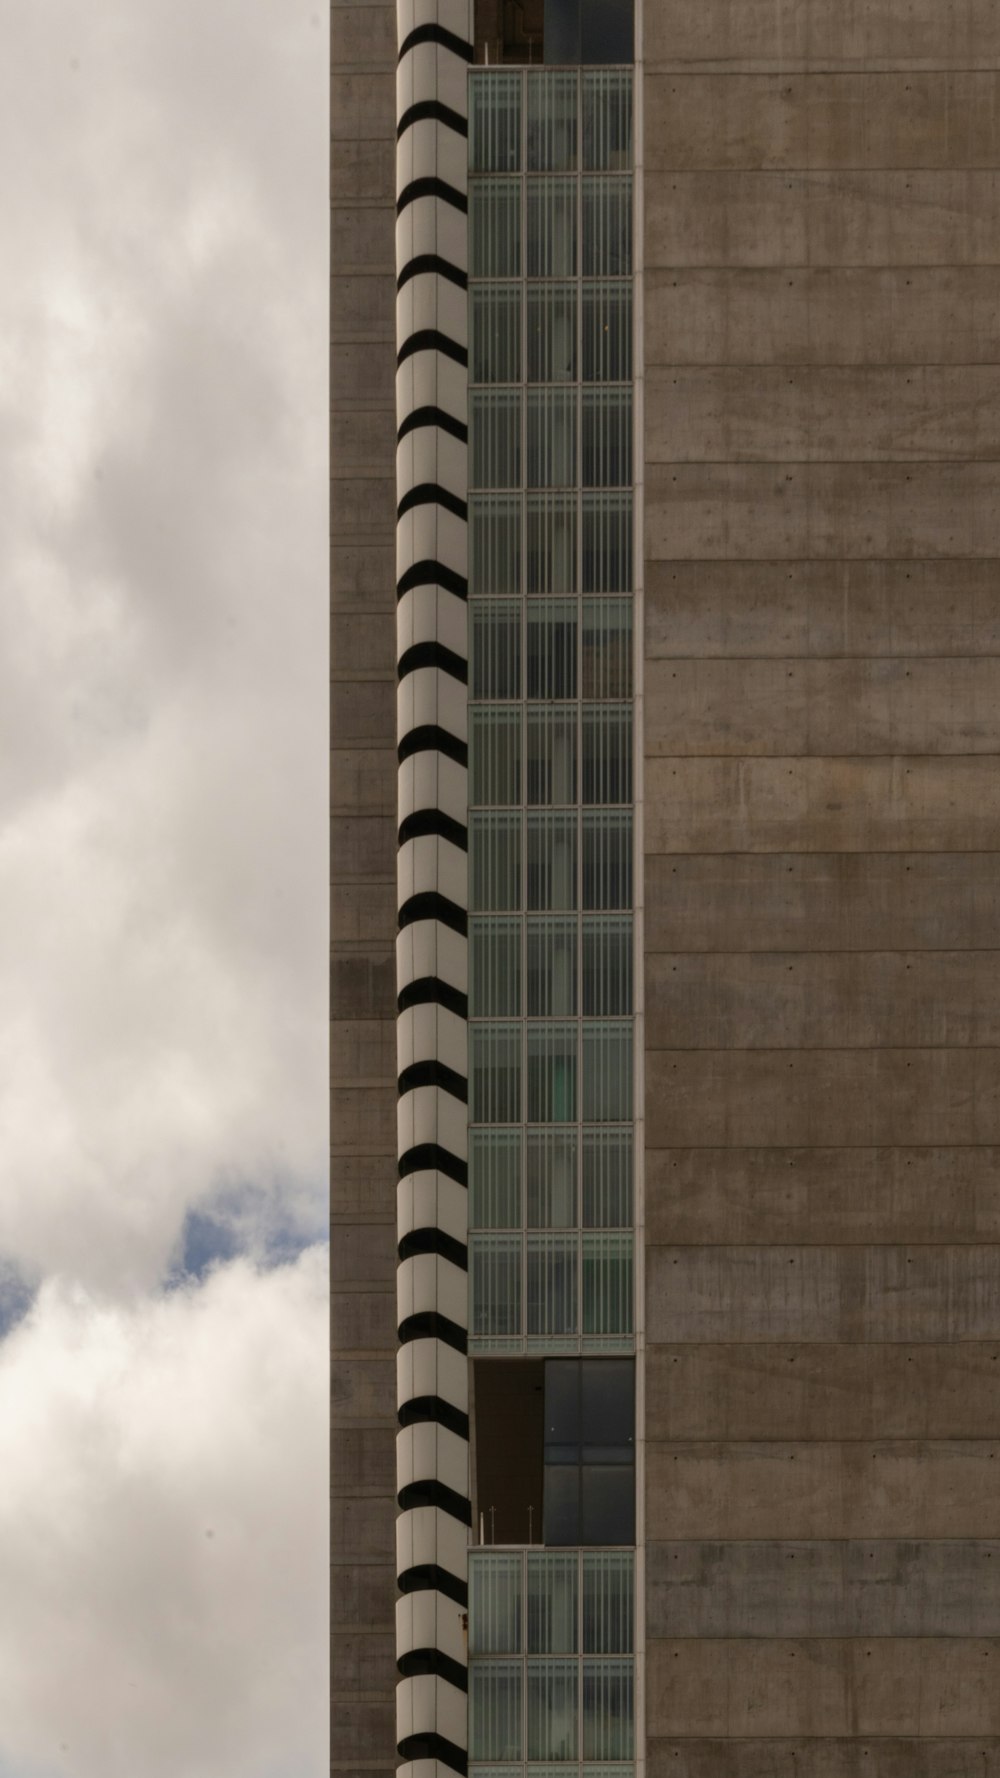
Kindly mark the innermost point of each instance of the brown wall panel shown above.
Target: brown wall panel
(822, 413)
(825, 1000)
(827, 901)
(822, 805)
(874, 609)
(787, 1392)
(823, 1293)
(820, 1196)
(784, 33)
(829, 707)
(815, 218)
(824, 1687)
(828, 1758)
(823, 120)
(875, 1588)
(876, 315)
(793, 511)
(787, 1098)
(855, 1490)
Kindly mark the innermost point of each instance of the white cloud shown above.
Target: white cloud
(163, 1530)
(162, 886)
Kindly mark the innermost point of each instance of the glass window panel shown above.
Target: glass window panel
(495, 1604)
(551, 863)
(552, 1604)
(495, 543)
(608, 1601)
(552, 1709)
(550, 1169)
(495, 1074)
(552, 122)
(494, 968)
(495, 756)
(552, 228)
(607, 753)
(607, 438)
(495, 228)
(494, 1179)
(607, 859)
(607, 1284)
(607, 226)
(551, 651)
(561, 1504)
(551, 333)
(551, 1074)
(551, 438)
(495, 648)
(607, 966)
(495, 333)
(551, 968)
(606, 31)
(607, 333)
(552, 543)
(608, 1709)
(494, 122)
(551, 755)
(494, 861)
(607, 1071)
(495, 1285)
(607, 648)
(607, 1507)
(562, 1410)
(607, 118)
(561, 37)
(607, 543)
(494, 438)
(607, 1410)
(607, 1179)
(495, 1710)
(552, 1297)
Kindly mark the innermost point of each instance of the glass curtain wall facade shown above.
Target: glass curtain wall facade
(551, 1246)
(550, 714)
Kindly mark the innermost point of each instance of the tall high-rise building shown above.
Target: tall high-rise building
(666, 888)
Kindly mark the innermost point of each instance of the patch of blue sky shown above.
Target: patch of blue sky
(16, 1298)
(249, 1220)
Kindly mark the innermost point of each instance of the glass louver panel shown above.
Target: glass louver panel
(495, 1074)
(607, 332)
(552, 1604)
(495, 1584)
(607, 1283)
(494, 756)
(552, 1292)
(551, 543)
(494, 122)
(495, 1710)
(607, 859)
(552, 110)
(551, 755)
(607, 437)
(607, 753)
(607, 227)
(495, 542)
(551, 862)
(552, 968)
(494, 968)
(550, 1179)
(607, 1179)
(551, 1074)
(606, 650)
(495, 1274)
(495, 648)
(495, 1179)
(551, 327)
(494, 861)
(552, 1709)
(607, 966)
(494, 438)
(607, 119)
(551, 438)
(608, 1601)
(607, 1071)
(495, 333)
(551, 228)
(551, 650)
(608, 1709)
(495, 230)
(607, 543)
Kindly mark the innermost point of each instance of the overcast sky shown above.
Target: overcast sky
(163, 1496)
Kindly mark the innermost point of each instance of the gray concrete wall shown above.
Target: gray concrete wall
(363, 888)
(822, 319)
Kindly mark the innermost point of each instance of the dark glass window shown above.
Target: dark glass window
(588, 31)
(589, 1457)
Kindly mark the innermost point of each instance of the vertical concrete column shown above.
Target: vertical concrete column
(435, 38)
